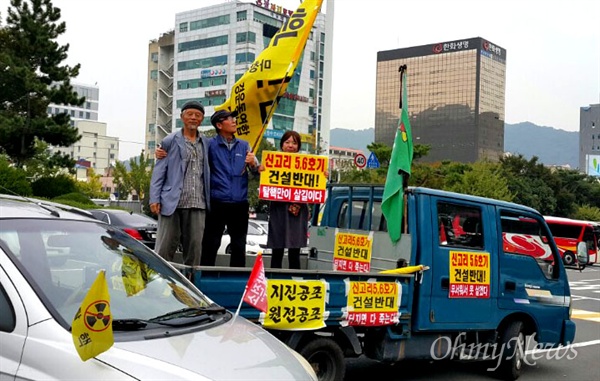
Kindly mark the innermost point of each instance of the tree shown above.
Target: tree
(44, 164)
(484, 179)
(92, 188)
(587, 213)
(13, 180)
(31, 77)
(137, 179)
(54, 186)
(382, 152)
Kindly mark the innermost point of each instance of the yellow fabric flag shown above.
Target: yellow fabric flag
(256, 94)
(92, 325)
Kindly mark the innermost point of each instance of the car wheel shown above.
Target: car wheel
(228, 249)
(513, 345)
(569, 258)
(326, 358)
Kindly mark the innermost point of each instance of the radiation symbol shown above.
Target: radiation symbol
(97, 316)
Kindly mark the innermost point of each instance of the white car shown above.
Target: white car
(256, 239)
(163, 326)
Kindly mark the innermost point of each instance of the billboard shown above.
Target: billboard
(593, 165)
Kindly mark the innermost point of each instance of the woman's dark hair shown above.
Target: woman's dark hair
(286, 136)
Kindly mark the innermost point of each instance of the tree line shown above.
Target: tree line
(550, 190)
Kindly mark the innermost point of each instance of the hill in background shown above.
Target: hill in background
(552, 146)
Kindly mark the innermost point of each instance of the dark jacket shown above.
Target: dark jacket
(228, 172)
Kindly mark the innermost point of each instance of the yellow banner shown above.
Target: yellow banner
(293, 177)
(295, 304)
(373, 303)
(92, 325)
(352, 252)
(469, 274)
(256, 94)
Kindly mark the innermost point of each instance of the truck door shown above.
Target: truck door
(462, 282)
(530, 279)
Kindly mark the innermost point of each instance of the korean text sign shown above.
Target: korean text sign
(295, 304)
(293, 177)
(469, 274)
(352, 252)
(373, 303)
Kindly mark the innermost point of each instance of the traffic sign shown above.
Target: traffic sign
(360, 160)
(372, 162)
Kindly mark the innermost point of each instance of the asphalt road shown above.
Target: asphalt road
(581, 362)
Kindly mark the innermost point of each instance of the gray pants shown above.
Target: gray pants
(185, 225)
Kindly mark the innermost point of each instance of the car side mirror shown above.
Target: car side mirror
(582, 253)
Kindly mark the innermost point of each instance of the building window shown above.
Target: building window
(202, 63)
(154, 57)
(245, 37)
(203, 43)
(241, 15)
(88, 115)
(183, 27)
(209, 22)
(154, 74)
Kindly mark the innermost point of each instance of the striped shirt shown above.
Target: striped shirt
(192, 194)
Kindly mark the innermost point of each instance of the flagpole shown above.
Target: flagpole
(237, 312)
(402, 70)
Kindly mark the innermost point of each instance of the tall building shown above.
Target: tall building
(211, 48)
(456, 94)
(95, 149)
(589, 140)
(87, 111)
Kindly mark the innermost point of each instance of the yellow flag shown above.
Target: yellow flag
(92, 325)
(256, 94)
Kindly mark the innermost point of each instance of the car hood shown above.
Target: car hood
(236, 350)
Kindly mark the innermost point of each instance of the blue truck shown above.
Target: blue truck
(476, 279)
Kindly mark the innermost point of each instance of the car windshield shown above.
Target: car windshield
(62, 258)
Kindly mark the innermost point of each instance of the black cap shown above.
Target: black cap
(220, 116)
(193, 104)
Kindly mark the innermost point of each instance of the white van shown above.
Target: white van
(163, 327)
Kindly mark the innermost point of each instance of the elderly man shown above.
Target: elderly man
(180, 188)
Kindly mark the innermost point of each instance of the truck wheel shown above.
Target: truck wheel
(569, 258)
(513, 344)
(326, 358)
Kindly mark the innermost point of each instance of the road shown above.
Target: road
(581, 362)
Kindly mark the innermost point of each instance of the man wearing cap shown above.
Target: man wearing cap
(230, 159)
(180, 188)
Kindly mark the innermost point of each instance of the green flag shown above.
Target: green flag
(402, 155)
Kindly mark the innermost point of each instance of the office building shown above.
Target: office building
(87, 111)
(95, 149)
(589, 140)
(456, 93)
(211, 48)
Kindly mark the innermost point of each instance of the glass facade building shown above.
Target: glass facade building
(456, 93)
(211, 48)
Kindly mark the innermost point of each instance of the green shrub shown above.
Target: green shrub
(51, 187)
(13, 180)
(75, 197)
(76, 204)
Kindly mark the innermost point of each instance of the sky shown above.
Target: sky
(553, 53)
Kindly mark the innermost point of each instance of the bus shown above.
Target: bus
(569, 232)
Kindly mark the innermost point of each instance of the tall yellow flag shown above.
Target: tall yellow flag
(92, 325)
(256, 94)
